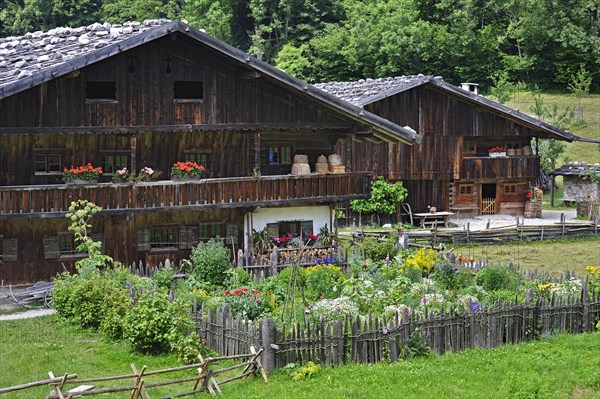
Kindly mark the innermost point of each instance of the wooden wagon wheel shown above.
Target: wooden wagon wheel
(48, 299)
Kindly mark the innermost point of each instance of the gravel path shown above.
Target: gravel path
(28, 314)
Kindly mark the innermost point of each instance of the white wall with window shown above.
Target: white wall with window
(287, 217)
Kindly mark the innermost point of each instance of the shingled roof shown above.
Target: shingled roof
(367, 91)
(34, 58)
(577, 169)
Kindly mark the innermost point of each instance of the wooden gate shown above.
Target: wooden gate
(488, 206)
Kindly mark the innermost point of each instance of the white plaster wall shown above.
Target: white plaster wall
(321, 215)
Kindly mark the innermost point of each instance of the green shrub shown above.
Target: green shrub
(210, 263)
(493, 278)
(163, 277)
(116, 307)
(323, 281)
(378, 250)
(237, 277)
(156, 325)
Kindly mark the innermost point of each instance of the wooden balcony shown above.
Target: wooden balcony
(54, 200)
(519, 167)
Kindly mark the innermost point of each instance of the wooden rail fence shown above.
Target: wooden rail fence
(204, 380)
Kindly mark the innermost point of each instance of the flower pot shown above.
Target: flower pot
(185, 178)
(81, 181)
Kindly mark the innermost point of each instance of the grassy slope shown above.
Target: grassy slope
(551, 368)
(590, 104)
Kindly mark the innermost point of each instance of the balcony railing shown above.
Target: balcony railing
(519, 167)
(54, 200)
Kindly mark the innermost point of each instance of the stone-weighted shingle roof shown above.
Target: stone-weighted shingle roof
(367, 91)
(577, 169)
(22, 56)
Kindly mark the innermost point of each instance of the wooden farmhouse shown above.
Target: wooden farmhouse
(148, 95)
(453, 169)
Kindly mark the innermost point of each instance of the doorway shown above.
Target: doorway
(488, 199)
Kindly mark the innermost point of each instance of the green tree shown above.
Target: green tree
(384, 199)
(580, 85)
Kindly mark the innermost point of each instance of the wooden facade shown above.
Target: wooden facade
(452, 168)
(168, 94)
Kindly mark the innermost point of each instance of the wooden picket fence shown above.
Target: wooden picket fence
(373, 339)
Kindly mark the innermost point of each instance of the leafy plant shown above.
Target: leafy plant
(305, 372)
(495, 278)
(246, 302)
(82, 172)
(323, 281)
(210, 263)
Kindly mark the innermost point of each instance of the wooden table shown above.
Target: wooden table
(428, 218)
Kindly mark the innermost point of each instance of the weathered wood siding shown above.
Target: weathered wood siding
(119, 233)
(445, 122)
(145, 93)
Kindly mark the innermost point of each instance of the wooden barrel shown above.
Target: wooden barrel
(526, 150)
(518, 152)
(298, 158)
(510, 152)
(335, 160)
(300, 169)
(322, 167)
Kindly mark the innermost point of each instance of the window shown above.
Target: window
(465, 189)
(64, 245)
(103, 91)
(188, 90)
(8, 249)
(163, 237)
(47, 163)
(207, 231)
(199, 158)
(469, 147)
(111, 162)
(280, 154)
(299, 228)
(510, 188)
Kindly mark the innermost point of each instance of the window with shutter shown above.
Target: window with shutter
(231, 233)
(9, 250)
(143, 240)
(51, 247)
(186, 237)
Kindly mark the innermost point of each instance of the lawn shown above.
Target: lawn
(560, 366)
(554, 256)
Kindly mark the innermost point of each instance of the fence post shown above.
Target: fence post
(273, 260)
(338, 348)
(268, 338)
(585, 301)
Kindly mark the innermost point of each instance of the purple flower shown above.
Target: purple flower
(387, 259)
(338, 310)
(424, 300)
(385, 330)
(475, 306)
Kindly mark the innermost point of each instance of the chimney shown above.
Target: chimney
(472, 87)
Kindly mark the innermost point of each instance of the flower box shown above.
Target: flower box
(86, 174)
(497, 154)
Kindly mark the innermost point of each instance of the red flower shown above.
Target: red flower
(244, 289)
(255, 292)
(227, 292)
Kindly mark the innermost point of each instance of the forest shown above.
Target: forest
(543, 43)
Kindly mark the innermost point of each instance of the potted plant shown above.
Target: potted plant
(121, 176)
(186, 170)
(82, 174)
(497, 151)
(148, 174)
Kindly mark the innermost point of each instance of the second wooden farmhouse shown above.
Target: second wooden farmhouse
(477, 156)
(149, 95)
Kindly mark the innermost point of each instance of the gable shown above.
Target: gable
(65, 59)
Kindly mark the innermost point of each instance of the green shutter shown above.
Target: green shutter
(306, 227)
(9, 249)
(273, 229)
(231, 233)
(51, 247)
(143, 240)
(185, 237)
